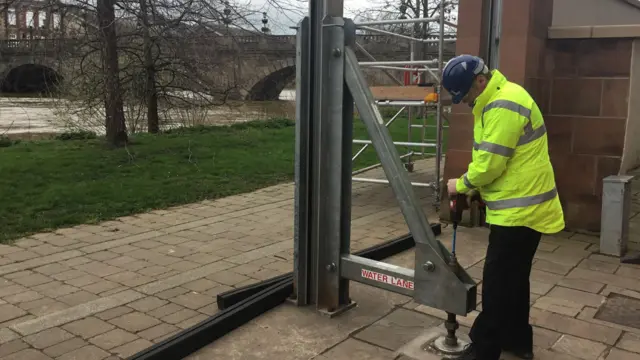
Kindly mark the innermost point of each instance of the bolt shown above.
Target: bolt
(337, 52)
(451, 325)
(429, 266)
(331, 267)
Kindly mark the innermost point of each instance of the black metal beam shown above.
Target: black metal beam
(376, 252)
(243, 305)
(234, 296)
(194, 338)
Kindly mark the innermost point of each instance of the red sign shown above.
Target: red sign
(411, 77)
(387, 279)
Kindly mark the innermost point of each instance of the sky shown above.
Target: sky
(283, 14)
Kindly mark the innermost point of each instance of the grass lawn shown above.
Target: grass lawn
(55, 183)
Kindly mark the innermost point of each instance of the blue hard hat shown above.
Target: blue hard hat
(458, 75)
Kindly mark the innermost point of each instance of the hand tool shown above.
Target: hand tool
(457, 204)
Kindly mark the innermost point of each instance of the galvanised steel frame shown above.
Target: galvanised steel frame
(329, 83)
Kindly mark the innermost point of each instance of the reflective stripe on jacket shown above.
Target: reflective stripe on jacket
(510, 163)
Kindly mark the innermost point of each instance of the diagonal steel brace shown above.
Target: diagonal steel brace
(438, 284)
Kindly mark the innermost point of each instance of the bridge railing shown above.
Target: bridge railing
(37, 45)
(270, 43)
(247, 44)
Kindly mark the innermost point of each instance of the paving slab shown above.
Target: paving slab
(397, 328)
(142, 278)
(570, 284)
(289, 332)
(111, 289)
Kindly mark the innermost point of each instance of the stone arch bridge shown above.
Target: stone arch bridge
(258, 67)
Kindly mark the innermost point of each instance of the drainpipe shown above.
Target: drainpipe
(496, 34)
(491, 32)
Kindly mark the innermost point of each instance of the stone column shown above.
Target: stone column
(460, 134)
(525, 25)
(522, 53)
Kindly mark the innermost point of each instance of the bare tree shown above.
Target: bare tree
(102, 30)
(411, 9)
(153, 121)
(131, 59)
(168, 54)
(174, 37)
(114, 122)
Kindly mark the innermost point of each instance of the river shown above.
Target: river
(33, 116)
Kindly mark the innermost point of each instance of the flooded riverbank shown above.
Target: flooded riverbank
(33, 115)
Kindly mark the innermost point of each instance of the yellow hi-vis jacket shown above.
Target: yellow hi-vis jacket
(510, 165)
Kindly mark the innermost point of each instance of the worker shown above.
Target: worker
(511, 170)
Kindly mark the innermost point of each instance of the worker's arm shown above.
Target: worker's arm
(502, 129)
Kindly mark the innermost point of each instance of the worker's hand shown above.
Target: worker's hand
(472, 196)
(451, 186)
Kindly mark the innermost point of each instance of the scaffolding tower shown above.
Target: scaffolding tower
(431, 104)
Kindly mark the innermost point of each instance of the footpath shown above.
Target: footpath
(110, 290)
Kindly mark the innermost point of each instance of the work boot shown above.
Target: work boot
(525, 355)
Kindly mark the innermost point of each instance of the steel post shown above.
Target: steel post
(302, 202)
(316, 15)
(332, 115)
(327, 232)
(438, 89)
(409, 164)
(349, 40)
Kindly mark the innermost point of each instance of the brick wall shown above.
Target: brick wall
(631, 151)
(583, 92)
(582, 87)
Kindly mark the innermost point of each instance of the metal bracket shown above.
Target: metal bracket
(456, 293)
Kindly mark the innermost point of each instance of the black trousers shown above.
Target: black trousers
(503, 323)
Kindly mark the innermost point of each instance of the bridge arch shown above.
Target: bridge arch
(270, 83)
(30, 77)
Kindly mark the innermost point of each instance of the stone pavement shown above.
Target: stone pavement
(584, 306)
(113, 289)
(110, 290)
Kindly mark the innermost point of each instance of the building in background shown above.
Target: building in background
(39, 19)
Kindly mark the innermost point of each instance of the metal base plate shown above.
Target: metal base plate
(292, 300)
(620, 309)
(424, 346)
(338, 311)
(439, 346)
